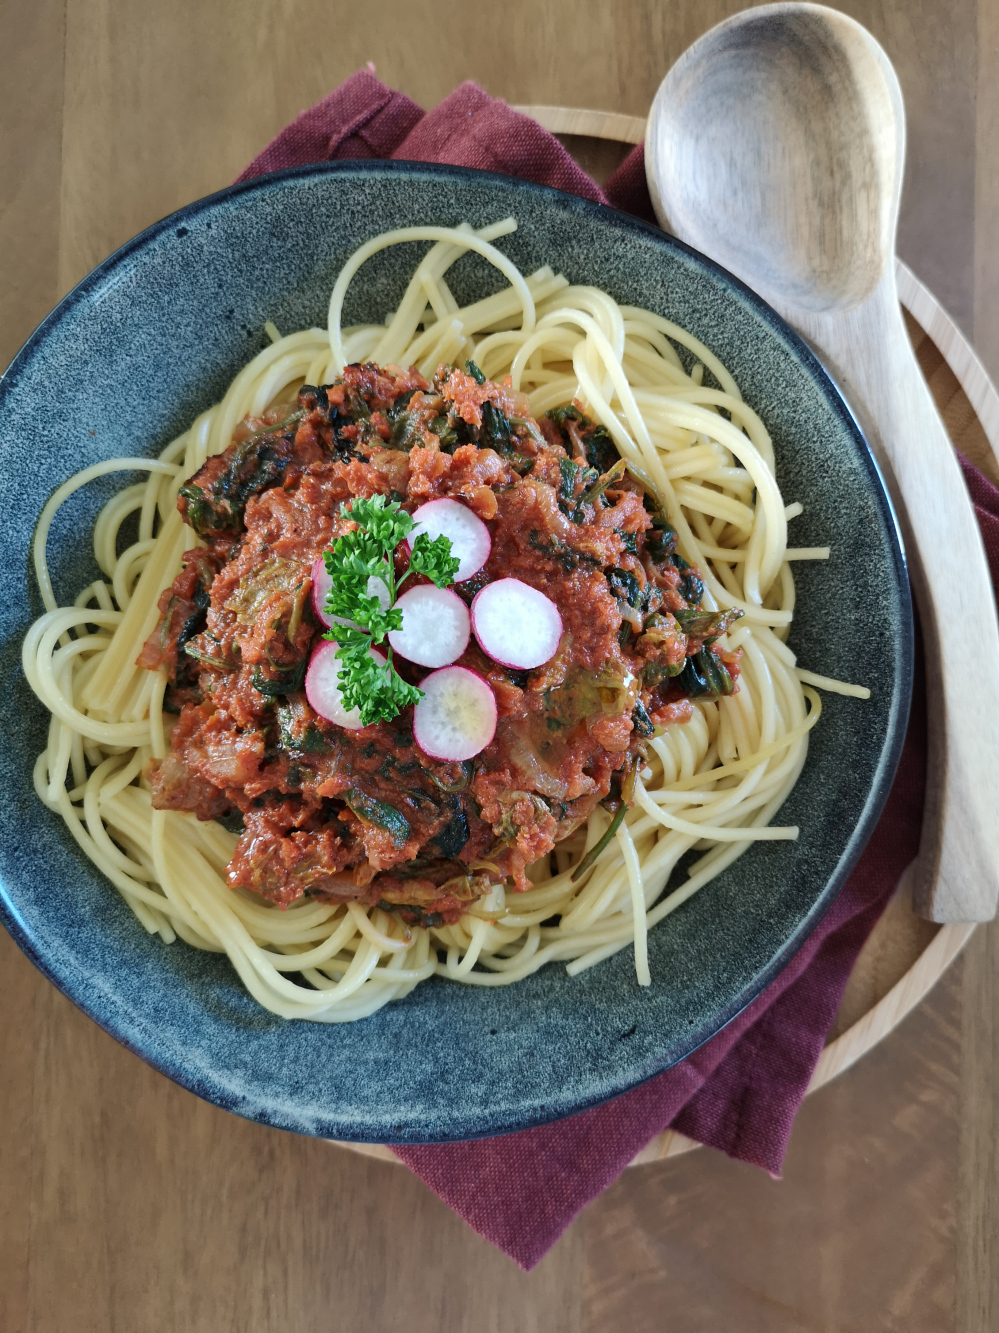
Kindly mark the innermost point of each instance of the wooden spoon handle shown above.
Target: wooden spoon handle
(868, 350)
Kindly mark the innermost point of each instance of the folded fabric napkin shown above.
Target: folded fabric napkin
(740, 1092)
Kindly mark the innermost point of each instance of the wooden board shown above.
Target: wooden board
(904, 956)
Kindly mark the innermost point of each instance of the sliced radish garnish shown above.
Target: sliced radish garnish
(468, 535)
(435, 627)
(322, 685)
(321, 584)
(456, 718)
(515, 624)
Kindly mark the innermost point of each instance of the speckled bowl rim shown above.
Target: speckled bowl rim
(78, 989)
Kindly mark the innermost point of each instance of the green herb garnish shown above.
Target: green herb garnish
(375, 688)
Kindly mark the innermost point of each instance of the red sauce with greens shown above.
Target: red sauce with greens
(365, 815)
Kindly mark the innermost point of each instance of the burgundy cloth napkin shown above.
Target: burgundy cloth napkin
(740, 1092)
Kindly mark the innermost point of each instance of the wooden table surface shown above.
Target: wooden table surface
(128, 1205)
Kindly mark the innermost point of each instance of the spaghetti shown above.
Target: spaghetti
(709, 786)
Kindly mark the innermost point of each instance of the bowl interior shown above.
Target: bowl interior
(155, 335)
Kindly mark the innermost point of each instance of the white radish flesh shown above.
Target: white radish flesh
(456, 718)
(322, 685)
(515, 624)
(435, 626)
(321, 584)
(468, 535)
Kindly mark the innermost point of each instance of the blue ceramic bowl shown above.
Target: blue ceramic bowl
(125, 362)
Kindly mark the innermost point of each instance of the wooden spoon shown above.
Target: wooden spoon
(775, 145)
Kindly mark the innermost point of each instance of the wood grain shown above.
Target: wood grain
(978, 1169)
(846, 1242)
(185, 1218)
(31, 75)
(954, 372)
(143, 1208)
(776, 145)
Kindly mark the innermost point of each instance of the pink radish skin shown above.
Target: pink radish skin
(468, 535)
(322, 688)
(321, 584)
(435, 626)
(515, 624)
(456, 718)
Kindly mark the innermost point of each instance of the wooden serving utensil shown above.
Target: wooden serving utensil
(775, 145)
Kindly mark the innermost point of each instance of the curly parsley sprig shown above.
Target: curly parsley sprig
(375, 688)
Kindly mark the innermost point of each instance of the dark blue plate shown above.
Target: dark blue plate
(153, 336)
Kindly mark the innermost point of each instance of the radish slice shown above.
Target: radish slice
(515, 624)
(468, 535)
(435, 627)
(456, 718)
(322, 685)
(321, 584)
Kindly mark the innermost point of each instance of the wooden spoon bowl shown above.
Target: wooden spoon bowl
(783, 137)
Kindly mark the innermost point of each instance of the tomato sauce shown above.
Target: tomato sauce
(364, 815)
